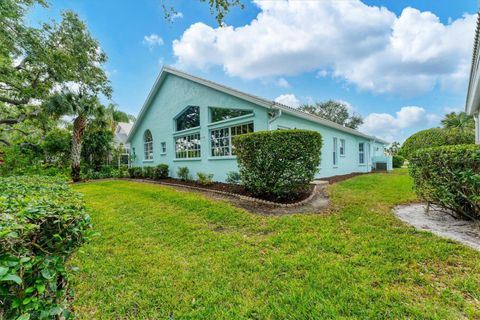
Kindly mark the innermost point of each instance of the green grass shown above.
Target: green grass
(165, 253)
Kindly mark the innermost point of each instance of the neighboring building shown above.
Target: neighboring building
(472, 106)
(189, 121)
(122, 131)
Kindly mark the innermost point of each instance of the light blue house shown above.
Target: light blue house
(189, 121)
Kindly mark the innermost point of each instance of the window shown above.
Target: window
(361, 153)
(163, 146)
(148, 145)
(190, 118)
(335, 151)
(221, 139)
(342, 147)
(219, 114)
(188, 146)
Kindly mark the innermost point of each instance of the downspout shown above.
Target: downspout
(277, 115)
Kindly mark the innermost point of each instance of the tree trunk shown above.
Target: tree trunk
(79, 125)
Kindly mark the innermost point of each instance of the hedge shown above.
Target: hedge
(42, 223)
(278, 164)
(435, 137)
(397, 161)
(449, 176)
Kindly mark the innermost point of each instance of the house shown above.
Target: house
(472, 106)
(189, 121)
(122, 130)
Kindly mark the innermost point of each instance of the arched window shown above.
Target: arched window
(148, 145)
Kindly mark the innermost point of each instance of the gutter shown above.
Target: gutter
(278, 115)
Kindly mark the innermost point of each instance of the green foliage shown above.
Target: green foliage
(335, 111)
(161, 171)
(183, 173)
(435, 137)
(449, 176)
(278, 163)
(219, 8)
(57, 145)
(394, 148)
(398, 161)
(148, 172)
(461, 121)
(205, 179)
(97, 145)
(233, 177)
(42, 223)
(104, 172)
(135, 172)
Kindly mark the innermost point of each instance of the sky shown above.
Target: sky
(402, 65)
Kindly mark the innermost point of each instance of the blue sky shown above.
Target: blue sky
(400, 64)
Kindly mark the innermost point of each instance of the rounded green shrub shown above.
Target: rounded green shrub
(183, 173)
(278, 164)
(435, 137)
(160, 171)
(148, 172)
(449, 176)
(42, 223)
(398, 161)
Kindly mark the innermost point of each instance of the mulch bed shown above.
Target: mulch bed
(237, 189)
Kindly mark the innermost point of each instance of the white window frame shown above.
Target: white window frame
(361, 153)
(228, 137)
(342, 148)
(190, 140)
(147, 146)
(163, 147)
(335, 151)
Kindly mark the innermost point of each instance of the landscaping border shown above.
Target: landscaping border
(315, 191)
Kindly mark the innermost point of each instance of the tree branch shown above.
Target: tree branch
(21, 118)
(5, 142)
(13, 101)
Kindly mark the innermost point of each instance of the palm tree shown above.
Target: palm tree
(461, 121)
(82, 108)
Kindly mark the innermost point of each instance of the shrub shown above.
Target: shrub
(233, 177)
(398, 161)
(148, 172)
(183, 173)
(280, 163)
(205, 179)
(161, 171)
(449, 176)
(135, 172)
(435, 137)
(42, 223)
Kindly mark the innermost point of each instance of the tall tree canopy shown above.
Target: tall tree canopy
(461, 121)
(38, 62)
(335, 111)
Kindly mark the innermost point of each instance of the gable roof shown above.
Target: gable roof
(244, 96)
(473, 95)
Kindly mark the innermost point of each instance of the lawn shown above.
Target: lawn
(164, 253)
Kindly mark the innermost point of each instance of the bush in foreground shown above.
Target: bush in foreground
(435, 137)
(205, 179)
(397, 161)
(449, 177)
(42, 223)
(278, 164)
(160, 171)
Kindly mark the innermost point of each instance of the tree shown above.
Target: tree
(335, 111)
(461, 121)
(394, 148)
(36, 62)
(219, 8)
(82, 108)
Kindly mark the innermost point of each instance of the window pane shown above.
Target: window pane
(188, 146)
(219, 114)
(190, 118)
(148, 145)
(221, 139)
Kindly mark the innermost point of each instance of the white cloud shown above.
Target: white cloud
(288, 100)
(283, 83)
(176, 15)
(398, 127)
(367, 46)
(152, 40)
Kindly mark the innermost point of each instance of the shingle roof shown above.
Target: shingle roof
(245, 96)
(473, 69)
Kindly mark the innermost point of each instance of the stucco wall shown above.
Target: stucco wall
(173, 97)
(177, 93)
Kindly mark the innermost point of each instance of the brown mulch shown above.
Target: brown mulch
(237, 189)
